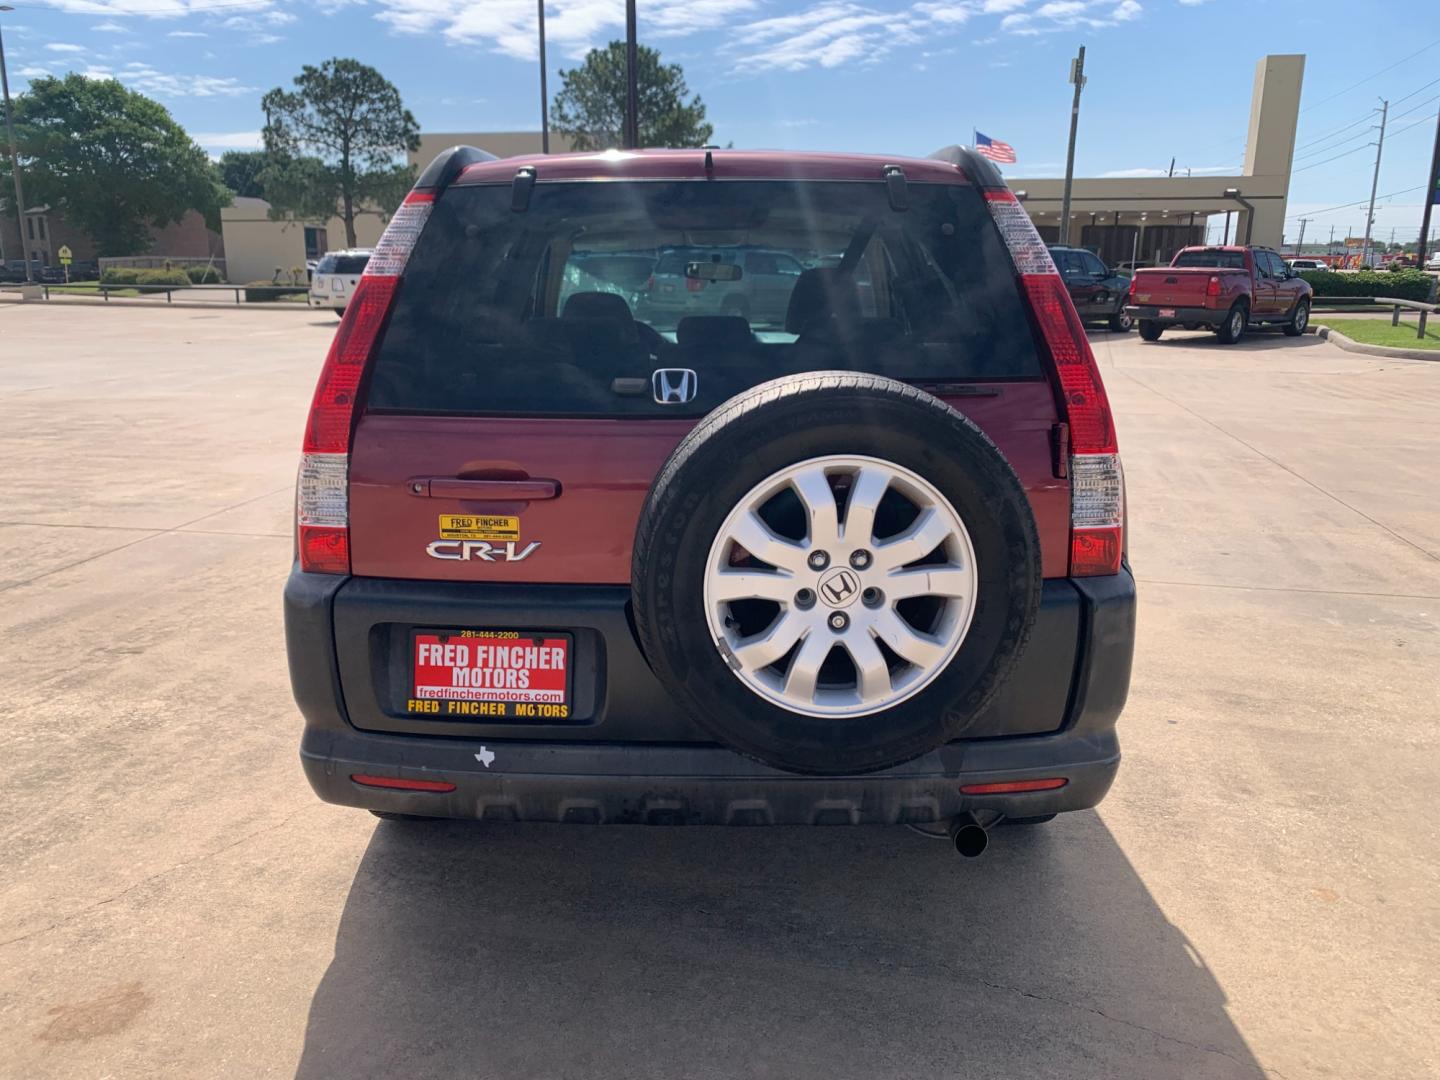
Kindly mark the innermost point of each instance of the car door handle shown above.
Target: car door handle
(453, 487)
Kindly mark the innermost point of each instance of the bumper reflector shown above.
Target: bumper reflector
(1010, 787)
(401, 784)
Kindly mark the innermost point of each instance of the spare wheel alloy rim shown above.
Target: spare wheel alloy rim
(840, 586)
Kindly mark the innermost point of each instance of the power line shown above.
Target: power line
(1362, 82)
(1337, 157)
(1358, 202)
(1332, 146)
(1322, 138)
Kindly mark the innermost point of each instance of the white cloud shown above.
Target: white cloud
(997, 7)
(950, 13)
(1193, 3)
(828, 35)
(1059, 15)
(230, 140)
(149, 80)
(572, 27)
(63, 47)
(1202, 170)
(110, 28)
(806, 122)
(33, 71)
(186, 34)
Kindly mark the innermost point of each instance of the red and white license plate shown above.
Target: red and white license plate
(491, 673)
(1166, 313)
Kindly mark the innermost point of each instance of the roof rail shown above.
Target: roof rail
(449, 164)
(981, 171)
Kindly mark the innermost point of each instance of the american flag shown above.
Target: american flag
(994, 149)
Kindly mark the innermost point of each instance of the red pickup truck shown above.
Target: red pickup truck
(1224, 289)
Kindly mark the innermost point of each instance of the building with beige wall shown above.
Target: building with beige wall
(1147, 218)
(257, 246)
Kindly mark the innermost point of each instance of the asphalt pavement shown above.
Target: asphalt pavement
(1257, 896)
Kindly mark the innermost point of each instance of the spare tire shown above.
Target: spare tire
(834, 572)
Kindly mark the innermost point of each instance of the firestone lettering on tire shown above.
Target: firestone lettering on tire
(468, 550)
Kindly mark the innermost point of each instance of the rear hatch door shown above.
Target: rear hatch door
(514, 419)
(1172, 286)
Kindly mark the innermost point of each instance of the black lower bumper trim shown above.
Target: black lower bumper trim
(699, 785)
(1204, 316)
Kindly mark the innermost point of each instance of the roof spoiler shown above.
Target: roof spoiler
(449, 164)
(980, 171)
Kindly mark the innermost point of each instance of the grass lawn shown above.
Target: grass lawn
(1380, 332)
(92, 288)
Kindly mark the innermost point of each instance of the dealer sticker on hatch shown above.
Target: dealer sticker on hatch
(491, 673)
(478, 527)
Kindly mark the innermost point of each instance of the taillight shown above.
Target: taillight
(322, 489)
(1133, 283)
(1097, 484)
(1212, 287)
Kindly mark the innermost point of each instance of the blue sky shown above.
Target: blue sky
(1166, 77)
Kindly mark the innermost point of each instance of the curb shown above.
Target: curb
(1330, 334)
(136, 301)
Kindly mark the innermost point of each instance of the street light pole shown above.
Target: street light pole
(14, 157)
(1432, 195)
(632, 86)
(1077, 76)
(544, 98)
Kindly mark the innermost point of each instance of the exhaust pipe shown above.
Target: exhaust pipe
(968, 835)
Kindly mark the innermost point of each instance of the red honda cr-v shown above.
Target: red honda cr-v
(853, 552)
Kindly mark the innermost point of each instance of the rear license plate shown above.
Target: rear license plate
(500, 674)
(1166, 313)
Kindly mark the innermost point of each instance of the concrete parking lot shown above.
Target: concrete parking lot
(1260, 894)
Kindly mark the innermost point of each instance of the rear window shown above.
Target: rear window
(343, 264)
(1218, 260)
(569, 307)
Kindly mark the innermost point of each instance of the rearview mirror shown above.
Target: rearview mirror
(713, 271)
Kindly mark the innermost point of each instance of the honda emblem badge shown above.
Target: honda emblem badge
(673, 386)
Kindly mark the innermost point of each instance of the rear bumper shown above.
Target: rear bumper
(619, 783)
(666, 778)
(1151, 313)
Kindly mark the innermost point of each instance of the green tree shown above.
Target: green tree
(334, 142)
(590, 107)
(112, 160)
(240, 172)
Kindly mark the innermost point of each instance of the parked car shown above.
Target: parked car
(1308, 264)
(335, 277)
(755, 285)
(554, 565)
(1432, 261)
(1099, 293)
(1224, 289)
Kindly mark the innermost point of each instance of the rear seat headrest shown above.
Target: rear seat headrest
(597, 305)
(714, 332)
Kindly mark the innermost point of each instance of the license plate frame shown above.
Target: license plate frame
(498, 698)
(1166, 312)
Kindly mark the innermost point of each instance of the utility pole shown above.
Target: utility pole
(544, 97)
(1172, 168)
(1432, 195)
(1330, 245)
(1077, 76)
(1374, 185)
(1301, 242)
(14, 158)
(632, 86)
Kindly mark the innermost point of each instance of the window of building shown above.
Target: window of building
(42, 228)
(30, 227)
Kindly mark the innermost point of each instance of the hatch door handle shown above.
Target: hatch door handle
(453, 487)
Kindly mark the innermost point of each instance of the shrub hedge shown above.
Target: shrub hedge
(1401, 284)
(145, 281)
(263, 292)
(204, 275)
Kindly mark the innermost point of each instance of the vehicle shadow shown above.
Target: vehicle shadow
(1254, 340)
(577, 951)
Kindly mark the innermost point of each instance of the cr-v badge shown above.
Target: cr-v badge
(466, 550)
(673, 386)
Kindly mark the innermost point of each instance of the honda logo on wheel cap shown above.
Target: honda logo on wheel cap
(674, 386)
(839, 588)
